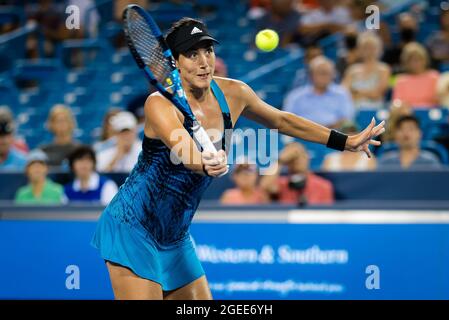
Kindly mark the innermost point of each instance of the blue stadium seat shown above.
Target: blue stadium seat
(90, 51)
(444, 67)
(12, 14)
(436, 130)
(363, 117)
(40, 70)
(431, 117)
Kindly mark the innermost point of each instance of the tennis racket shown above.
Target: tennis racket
(154, 57)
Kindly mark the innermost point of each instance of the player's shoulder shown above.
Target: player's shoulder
(157, 98)
(228, 84)
(232, 87)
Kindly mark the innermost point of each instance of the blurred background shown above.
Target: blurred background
(323, 225)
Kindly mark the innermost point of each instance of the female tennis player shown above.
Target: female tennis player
(143, 235)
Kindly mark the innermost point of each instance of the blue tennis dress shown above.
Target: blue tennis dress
(146, 226)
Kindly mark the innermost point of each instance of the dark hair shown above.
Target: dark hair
(81, 152)
(186, 21)
(407, 118)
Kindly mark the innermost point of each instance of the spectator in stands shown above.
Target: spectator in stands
(327, 19)
(358, 14)
(51, 18)
(246, 192)
(408, 30)
(324, 102)
(40, 189)
(11, 159)
(409, 155)
(88, 185)
(107, 135)
(283, 18)
(418, 86)
(443, 90)
(398, 109)
(300, 186)
(438, 42)
(6, 116)
(123, 155)
(348, 161)
(348, 55)
(302, 76)
(368, 81)
(61, 123)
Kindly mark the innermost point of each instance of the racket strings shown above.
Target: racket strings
(148, 47)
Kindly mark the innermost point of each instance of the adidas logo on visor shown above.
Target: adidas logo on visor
(196, 30)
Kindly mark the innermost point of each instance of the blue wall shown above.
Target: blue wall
(412, 259)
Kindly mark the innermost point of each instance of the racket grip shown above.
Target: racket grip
(203, 139)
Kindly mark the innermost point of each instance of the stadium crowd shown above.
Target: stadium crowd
(396, 70)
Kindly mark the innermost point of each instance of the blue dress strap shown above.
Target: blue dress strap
(220, 97)
(227, 121)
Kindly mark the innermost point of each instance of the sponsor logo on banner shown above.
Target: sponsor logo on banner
(284, 254)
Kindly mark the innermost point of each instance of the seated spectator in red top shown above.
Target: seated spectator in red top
(246, 192)
(418, 86)
(300, 186)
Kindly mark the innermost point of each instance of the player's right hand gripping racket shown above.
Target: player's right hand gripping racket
(154, 57)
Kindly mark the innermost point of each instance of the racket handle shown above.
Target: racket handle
(203, 139)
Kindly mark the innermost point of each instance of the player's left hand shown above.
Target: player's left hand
(362, 140)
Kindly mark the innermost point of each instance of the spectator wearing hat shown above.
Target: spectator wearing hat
(246, 192)
(107, 134)
(348, 161)
(40, 189)
(11, 159)
(88, 185)
(123, 155)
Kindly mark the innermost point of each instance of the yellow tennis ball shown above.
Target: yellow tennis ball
(267, 40)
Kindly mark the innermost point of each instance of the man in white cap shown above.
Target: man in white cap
(123, 155)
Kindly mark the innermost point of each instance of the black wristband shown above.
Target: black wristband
(337, 140)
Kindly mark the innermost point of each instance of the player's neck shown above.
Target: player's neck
(197, 94)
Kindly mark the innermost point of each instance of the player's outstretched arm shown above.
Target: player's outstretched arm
(162, 119)
(298, 127)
